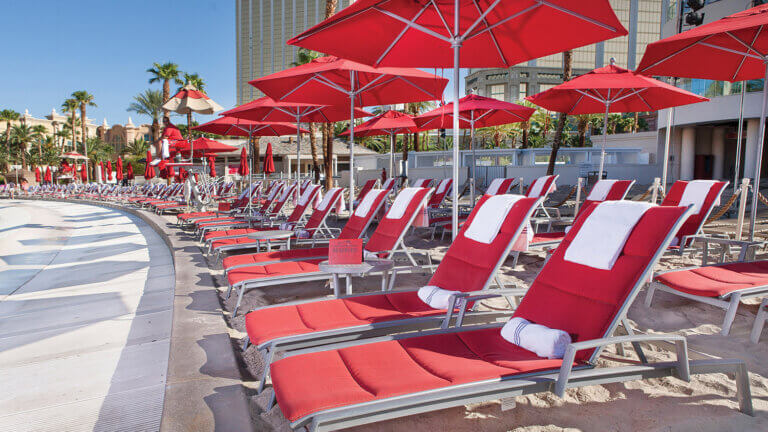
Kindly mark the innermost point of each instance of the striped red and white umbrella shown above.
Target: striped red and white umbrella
(189, 100)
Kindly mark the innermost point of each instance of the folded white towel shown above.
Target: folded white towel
(539, 339)
(600, 190)
(401, 203)
(493, 188)
(365, 206)
(304, 198)
(604, 233)
(370, 255)
(435, 297)
(327, 199)
(488, 220)
(538, 186)
(443, 184)
(695, 193)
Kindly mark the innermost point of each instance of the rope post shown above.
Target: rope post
(655, 187)
(520, 183)
(742, 207)
(579, 183)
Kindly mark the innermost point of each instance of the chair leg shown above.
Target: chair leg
(635, 345)
(246, 342)
(267, 363)
(730, 314)
(762, 315)
(239, 300)
(649, 295)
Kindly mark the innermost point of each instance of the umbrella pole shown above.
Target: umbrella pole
(392, 154)
(456, 73)
(298, 158)
(250, 171)
(758, 159)
(474, 159)
(351, 143)
(605, 141)
(667, 137)
(738, 139)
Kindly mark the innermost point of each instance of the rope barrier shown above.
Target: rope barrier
(570, 194)
(724, 208)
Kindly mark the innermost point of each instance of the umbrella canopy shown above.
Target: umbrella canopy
(204, 146)
(612, 89)
(390, 122)
(475, 112)
(269, 163)
(109, 170)
(266, 109)
(129, 172)
(171, 133)
(119, 168)
(243, 168)
(38, 174)
(734, 48)
(189, 99)
(149, 170)
(212, 163)
(232, 126)
(48, 175)
(333, 80)
(432, 34)
(73, 155)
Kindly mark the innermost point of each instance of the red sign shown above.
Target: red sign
(224, 206)
(345, 251)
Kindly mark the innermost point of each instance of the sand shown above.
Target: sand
(707, 403)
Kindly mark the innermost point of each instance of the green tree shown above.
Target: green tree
(40, 132)
(165, 73)
(195, 80)
(149, 103)
(304, 56)
(23, 136)
(8, 116)
(137, 148)
(562, 118)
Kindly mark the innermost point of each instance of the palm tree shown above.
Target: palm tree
(149, 103)
(137, 148)
(582, 124)
(84, 99)
(304, 56)
(8, 116)
(561, 117)
(70, 106)
(40, 132)
(195, 80)
(23, 135)
(330, 10)
(166, 73)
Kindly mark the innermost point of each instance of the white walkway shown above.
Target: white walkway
(86, 297)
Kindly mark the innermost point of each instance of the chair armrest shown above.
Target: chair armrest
(681, 346)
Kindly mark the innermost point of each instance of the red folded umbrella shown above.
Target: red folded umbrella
(37, 174)
(109, 170)
(212, 163)
(183, 174)
(269, 163)
(48, 175)
(149, 170)
(170, 172)
(243, 168)
(129, 173)
(119, 167)
(83, 173)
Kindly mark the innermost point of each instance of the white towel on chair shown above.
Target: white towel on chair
(434, 296)
(488, 220)
(365, 206)
(539, 339)
(401, 203)
(695, 193)
(600, 190)
(604, 233)
(304, 198)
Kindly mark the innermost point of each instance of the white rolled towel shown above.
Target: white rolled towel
(539, 339)
(435, 297)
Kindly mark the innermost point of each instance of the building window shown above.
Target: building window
(523, 74)
(522, 90)
(496, 91)
(497, 76)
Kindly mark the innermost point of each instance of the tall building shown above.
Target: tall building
(263, 27)
(642, 18)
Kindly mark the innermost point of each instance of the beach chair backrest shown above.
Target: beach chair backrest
(617, 190)
(499, 186)
(323, 209)
(541, 187)
(696, 221)
(422, 182)
(282, 198)
(441, 191)
(399, 217)
(367, 186)
(305, 202)
(588, 302)
(389, 184)
(469, 265)
(359, 220)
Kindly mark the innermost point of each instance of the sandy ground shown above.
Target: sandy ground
(707, 403)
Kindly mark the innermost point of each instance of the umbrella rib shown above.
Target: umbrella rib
(402, 33)
(634, 92)
(468, 36)
(680, 51)
(578, 101)
(482, 16)
(413, 84)
(487, 112)
(490, 32)
(587, 94)
(577, 15)
(442, 18)
(749, 47)
(414, 25)
(650, 108)
(327, 82)
(321, 27)
(744, 58)
(732, 51)
(373, 83)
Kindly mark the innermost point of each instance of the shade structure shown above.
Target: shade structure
(119, 168)
(389, 123)
(203, 146)
(73, 155)
(243, 168)
(338, 81)
(233, 126)
(48, 175)
(149, 170)
(474, 111)
(269, 163)
(734, 48)
(189, 99)
(212, 163)
(38, 174)
(266, 109)
(612, 89)
(460, 33)
(129, 172)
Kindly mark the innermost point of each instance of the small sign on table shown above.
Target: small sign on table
(345, 251)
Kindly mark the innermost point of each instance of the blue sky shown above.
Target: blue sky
(55, 47)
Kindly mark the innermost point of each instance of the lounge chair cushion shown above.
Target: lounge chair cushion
(234, 260)
(287, 268)
(715, 281)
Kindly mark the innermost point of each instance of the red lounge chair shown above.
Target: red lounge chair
(356, 227)
(695, 224)
(386, 240)
(442, 190)
(350, 384)
(498, 186)
(269, 210)
(762, 316)
(367, 186)
(423, 183)
(240, 202)
(468, 267)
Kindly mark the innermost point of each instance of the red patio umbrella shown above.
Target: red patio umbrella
(37, 174)
(129, 172)
(269, 163)
(84, 173)
(232, 126)
(212, 163)
(109, 171)
(734, 48)
(204, 146)
(48, 175)
(337, 81)
(119, 168)
(243, 168)
(266, 109)
(169, 171)
(149, 170)
(389, 123)
(432, 34)
(188, 100)
(612, 89)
